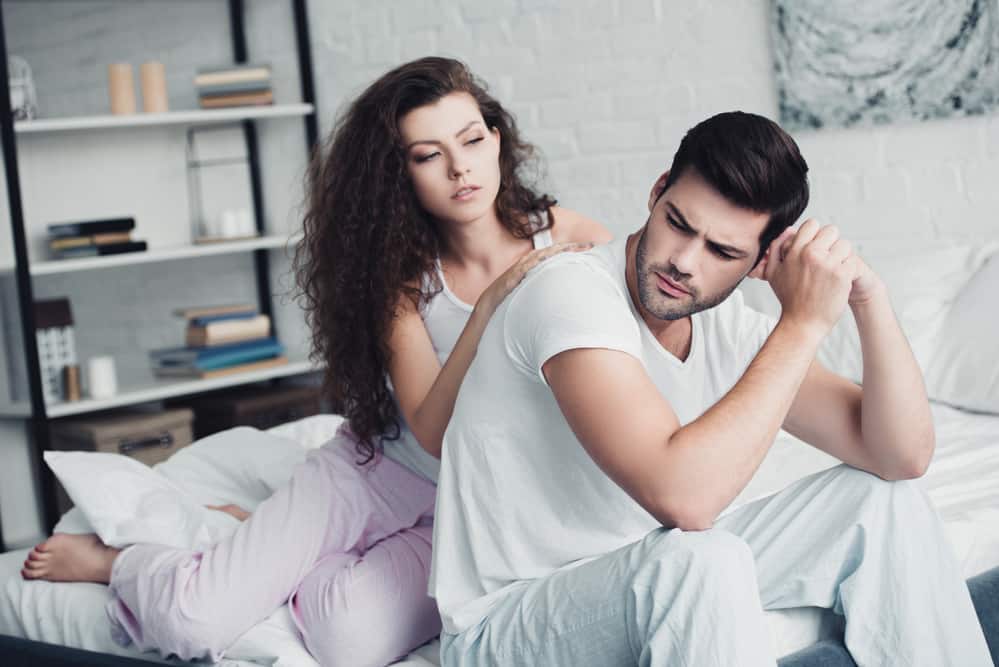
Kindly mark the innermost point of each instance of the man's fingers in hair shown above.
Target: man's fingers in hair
(804, 236)
(825, 237)
(840, 251)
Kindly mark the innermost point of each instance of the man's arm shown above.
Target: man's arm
(885, 427)
(683, 476)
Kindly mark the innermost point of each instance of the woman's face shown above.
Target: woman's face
(452, 158)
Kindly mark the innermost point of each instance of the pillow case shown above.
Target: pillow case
(964, 371)
(924, 278)
(125, 502)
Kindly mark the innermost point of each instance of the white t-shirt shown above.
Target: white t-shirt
(518, 496)
(445, 317)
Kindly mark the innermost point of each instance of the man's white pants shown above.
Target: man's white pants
(871, 550)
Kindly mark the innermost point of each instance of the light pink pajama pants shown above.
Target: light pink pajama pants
(348, 545)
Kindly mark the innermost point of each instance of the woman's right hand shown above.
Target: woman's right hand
(493, 296)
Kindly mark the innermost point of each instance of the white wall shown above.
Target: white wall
(605, 88)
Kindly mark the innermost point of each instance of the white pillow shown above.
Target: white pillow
(923, 280)
(127, 502)
(965, 368)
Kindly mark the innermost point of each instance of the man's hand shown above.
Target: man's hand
(813, 273)
(867, 285)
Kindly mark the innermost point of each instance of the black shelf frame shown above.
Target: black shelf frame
(39, 420)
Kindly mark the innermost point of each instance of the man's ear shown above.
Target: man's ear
(759, 271)
(657, 190)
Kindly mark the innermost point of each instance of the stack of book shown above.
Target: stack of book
(234, 86)
(111, 236)
(221, 340)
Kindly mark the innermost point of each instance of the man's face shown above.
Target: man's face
(695, 249)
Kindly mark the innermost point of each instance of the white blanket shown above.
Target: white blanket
(963, 482)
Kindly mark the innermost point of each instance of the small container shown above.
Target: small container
(121, 88)
(154, 88)
(101, 379)
(71, 382)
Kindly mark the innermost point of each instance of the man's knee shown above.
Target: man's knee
(713, 554)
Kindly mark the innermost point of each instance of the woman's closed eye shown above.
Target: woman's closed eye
(426, 157)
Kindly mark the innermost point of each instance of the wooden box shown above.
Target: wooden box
(259, 407)
(149, 437)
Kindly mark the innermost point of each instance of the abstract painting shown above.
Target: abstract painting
(841, 63)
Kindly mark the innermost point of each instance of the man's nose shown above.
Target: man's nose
(684, 259)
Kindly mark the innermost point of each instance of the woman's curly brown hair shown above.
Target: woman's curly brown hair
(368, 242)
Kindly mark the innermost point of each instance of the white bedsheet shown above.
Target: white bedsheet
(963, 482)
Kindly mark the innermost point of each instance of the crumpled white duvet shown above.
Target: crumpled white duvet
(245, 468)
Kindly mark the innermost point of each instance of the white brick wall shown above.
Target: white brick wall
(605, 88)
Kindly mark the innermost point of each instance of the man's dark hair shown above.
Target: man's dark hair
(752, 162)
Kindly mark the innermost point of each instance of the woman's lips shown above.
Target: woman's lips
(670, 287)
(465, 192)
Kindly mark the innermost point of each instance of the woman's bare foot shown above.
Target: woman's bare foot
(65, 557)
(232, 510)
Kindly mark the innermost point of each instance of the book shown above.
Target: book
(210, 358)
(238, 100)
(228, 331)
(250, 86)
(222, 317)
(221, 372)
(100, 250)
(232, 74)
(63, 242)
(91, 227)
(195, 312)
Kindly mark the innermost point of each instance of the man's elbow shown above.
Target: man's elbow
(916, 462)
(686, 516)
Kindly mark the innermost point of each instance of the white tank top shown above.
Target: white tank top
(445, 316)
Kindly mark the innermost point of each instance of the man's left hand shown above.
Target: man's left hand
(867, 285)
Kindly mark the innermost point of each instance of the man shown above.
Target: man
(621, 399)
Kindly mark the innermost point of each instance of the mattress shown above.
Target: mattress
(963, 482)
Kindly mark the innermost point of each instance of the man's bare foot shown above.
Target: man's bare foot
(65, 557)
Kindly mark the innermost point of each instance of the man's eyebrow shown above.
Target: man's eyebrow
(732, 250)
(467, 127)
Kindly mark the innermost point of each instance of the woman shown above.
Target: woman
(417, 208)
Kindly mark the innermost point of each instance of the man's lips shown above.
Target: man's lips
(465, 192)
(671, 287)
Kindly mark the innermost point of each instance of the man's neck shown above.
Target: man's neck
(673, 335)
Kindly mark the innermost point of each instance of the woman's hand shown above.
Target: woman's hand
(493, 296)
(232, 510)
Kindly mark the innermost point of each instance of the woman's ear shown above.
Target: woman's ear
(657, 190)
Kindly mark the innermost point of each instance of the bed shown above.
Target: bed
(941, 309)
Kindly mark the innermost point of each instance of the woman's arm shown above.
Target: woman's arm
(424, 389)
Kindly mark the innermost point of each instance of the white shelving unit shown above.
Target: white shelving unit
(191, 117)
(162, 388)
(162, 255)
(37, 135)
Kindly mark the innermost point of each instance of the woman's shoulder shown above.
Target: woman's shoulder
(569, 226)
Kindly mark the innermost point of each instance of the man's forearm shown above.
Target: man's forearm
(711, 459)
(896, 423)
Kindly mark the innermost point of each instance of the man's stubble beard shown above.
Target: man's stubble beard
(652, 298)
